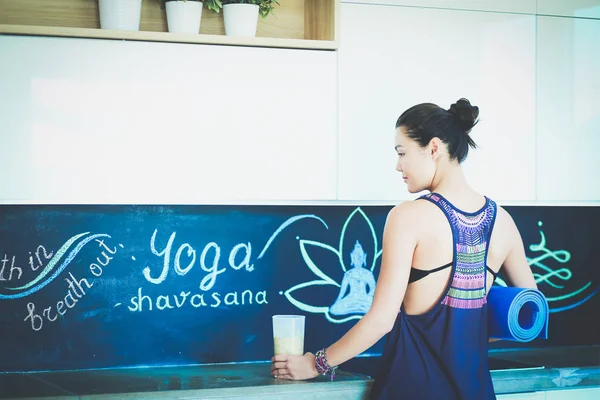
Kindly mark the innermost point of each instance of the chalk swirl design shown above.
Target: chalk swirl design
(553, 277)
(38, 283)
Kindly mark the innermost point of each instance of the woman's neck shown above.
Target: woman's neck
(451, 182)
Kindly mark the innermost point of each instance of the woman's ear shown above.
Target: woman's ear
(434, 148)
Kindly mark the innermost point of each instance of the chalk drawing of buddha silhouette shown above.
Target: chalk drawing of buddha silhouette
(358, 286)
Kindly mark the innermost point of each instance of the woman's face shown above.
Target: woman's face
(416, 163)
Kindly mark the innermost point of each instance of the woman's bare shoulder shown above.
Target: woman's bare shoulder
(505, 230)
(412, 211)
(504, 219)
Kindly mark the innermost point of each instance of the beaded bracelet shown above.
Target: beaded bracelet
(322, 365)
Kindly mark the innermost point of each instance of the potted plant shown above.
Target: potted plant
(184, 16)
(122, 15)
(241, 16)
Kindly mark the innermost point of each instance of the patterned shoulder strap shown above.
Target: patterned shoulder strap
(439, 201)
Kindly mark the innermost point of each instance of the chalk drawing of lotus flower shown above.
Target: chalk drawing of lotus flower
(357, 285)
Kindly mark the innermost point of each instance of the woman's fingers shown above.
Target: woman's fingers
(279, 365)
(293, 367)
(281, 371)
(279, 357)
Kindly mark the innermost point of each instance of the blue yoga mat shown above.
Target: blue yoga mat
(517, 314)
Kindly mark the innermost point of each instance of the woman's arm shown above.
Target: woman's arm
(517, 269)
(399, 243)
(515, 265)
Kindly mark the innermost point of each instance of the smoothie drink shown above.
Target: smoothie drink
(288, 334)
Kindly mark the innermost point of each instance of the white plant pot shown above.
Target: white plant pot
(122, 15)
(240, 19)
(184, 16)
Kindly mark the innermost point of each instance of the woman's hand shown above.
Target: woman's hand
(285, 366)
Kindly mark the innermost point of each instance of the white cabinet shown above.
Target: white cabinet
(568, 115)
(570, 8)
(101, 121)
(592, 393)
(522, 396)
(393, 57)
(515, 6)
(574, 394)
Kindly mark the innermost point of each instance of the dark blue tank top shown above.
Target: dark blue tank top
(443, 353)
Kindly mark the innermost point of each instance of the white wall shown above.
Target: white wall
(95, 121)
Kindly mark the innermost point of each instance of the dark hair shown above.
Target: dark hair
(425, 121)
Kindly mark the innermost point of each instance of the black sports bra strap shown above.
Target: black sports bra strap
(417, 274)
(441, 268)
(494, 274)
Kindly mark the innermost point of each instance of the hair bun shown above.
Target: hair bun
(465, 114)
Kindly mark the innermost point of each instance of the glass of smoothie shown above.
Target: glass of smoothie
(288, 334)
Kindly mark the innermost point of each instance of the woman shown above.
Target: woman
(441, 254)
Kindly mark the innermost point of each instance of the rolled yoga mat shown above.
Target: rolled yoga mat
(517, 314)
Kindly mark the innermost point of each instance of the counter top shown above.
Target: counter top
(549, 369)
(513, 371)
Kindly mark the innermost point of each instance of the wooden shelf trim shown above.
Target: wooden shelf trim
(166, 37)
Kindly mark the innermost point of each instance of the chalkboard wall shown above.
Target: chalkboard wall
(118, 285)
